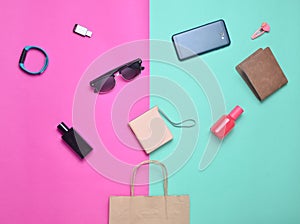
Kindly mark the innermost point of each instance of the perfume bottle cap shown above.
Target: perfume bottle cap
(236, 112)
(63, 128)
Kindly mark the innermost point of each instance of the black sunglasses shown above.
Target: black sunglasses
(107, 82)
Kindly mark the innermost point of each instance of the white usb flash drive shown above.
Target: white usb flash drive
(82, 30)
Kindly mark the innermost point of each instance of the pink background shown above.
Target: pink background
(42, 181)
(105, 121)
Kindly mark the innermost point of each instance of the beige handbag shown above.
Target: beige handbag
(149, 209)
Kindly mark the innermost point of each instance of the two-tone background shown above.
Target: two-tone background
(253, 179)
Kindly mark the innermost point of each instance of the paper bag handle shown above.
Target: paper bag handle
(164, 172)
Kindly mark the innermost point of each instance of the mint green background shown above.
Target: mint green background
(255, 177)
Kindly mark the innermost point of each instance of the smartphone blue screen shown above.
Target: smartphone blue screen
(201, 39)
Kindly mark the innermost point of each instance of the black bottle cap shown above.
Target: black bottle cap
(63, 128)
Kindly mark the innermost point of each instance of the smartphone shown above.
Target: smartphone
(201, 39)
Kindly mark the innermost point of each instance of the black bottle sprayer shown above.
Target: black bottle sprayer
(74, 140)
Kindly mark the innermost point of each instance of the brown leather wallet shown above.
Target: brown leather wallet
(262, 73)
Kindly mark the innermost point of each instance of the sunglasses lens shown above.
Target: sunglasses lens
(107, 84)
(131, 71)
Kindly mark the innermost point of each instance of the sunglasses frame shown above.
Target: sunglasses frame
(97, 81)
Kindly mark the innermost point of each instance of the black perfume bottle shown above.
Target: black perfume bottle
(74, 140)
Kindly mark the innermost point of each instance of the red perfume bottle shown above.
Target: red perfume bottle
(226, 123)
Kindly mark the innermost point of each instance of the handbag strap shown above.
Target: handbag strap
(164, 172)
(189, 122)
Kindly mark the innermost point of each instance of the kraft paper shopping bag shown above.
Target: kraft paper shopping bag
(165, 209)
